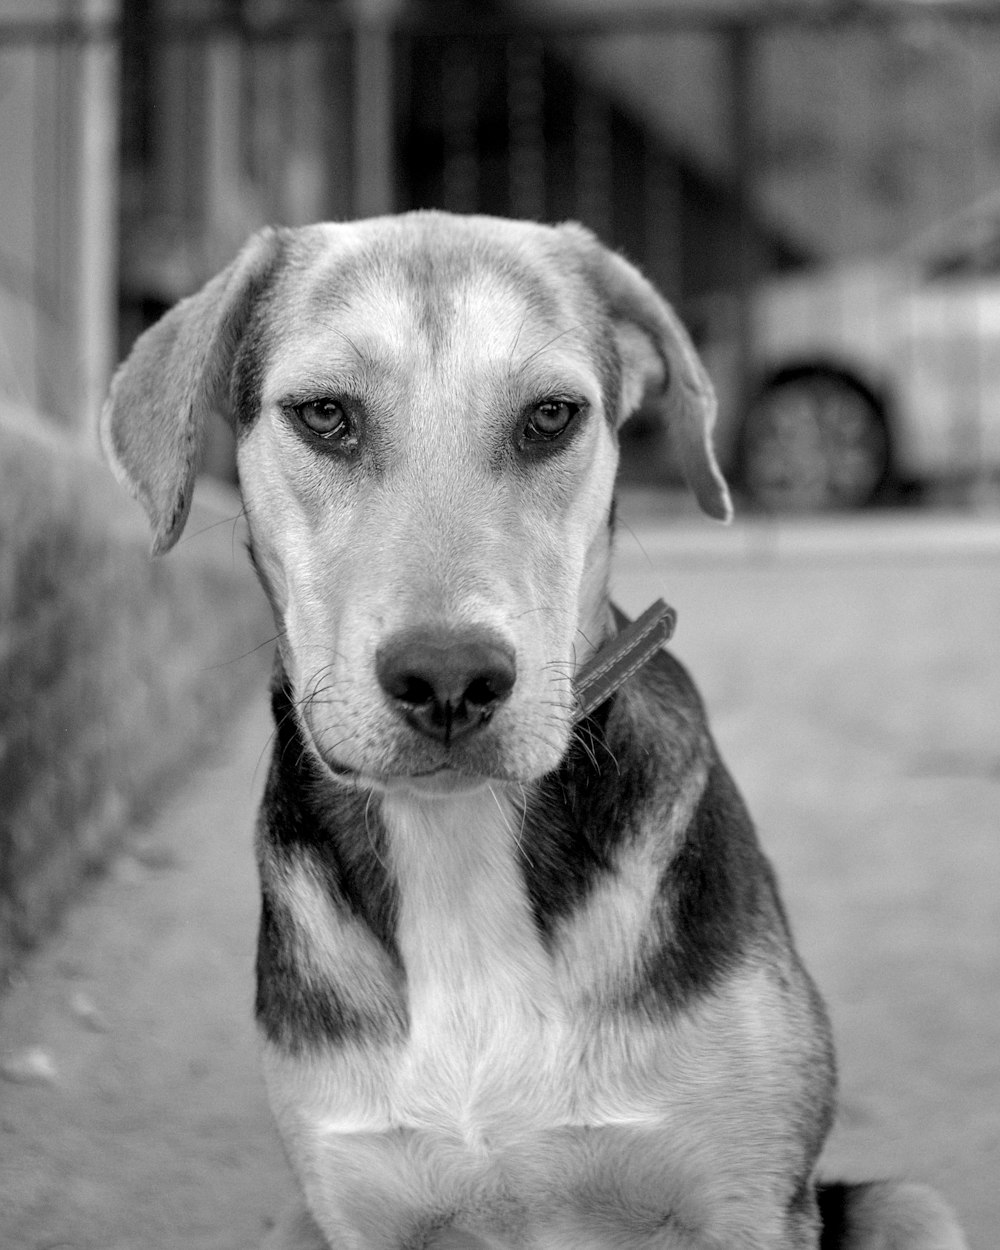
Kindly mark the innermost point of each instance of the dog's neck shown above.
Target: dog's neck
(465, 921)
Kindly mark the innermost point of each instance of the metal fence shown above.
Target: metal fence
(812, 185)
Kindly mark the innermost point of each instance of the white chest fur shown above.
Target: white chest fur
(487, 1024)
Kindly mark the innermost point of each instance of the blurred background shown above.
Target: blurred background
(815, 185)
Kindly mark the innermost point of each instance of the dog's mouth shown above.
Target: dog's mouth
(438, 781)
(457, 773)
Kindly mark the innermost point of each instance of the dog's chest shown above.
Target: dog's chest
(487, 1022)
(511, 1108)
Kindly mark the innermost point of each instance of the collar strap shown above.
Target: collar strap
(632, 647)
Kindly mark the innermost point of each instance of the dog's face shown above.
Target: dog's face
(428, 467)
(427, 412)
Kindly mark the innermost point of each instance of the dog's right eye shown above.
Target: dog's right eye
(325, 417)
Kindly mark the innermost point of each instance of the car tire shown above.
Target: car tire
(813, 440)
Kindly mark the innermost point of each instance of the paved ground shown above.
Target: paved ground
(853, 678)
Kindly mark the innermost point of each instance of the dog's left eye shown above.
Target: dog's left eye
(325, 417)
(550, 419)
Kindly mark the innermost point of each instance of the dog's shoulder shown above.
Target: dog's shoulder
(328, 903)
(644, 827)
(719, 896)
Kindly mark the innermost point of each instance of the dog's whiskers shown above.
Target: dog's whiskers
(518, 837)
(368, 831)
(522, 365)
(517, 339)
(530, 611)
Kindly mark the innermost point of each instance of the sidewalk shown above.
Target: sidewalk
(145, 1127)
(855, 700)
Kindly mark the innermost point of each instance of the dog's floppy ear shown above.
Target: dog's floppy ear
(176, 374)
(659, 362)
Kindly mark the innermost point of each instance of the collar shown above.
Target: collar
(633, 646)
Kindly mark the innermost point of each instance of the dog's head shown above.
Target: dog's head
(426, 410)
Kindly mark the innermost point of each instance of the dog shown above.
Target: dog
(523, 975)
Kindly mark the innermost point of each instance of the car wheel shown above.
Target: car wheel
(811, 441)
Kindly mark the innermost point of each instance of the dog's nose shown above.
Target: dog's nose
(446, 682)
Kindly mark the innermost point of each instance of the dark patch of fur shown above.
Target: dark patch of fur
(338, 833)
(625, 768)
(576, 817)
(718, 899)
(247, 375)
(294, 1013)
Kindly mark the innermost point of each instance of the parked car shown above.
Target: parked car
(867, 374)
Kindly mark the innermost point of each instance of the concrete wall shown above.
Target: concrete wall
(116, 671)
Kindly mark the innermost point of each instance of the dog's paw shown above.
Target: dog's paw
(887, 1215)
